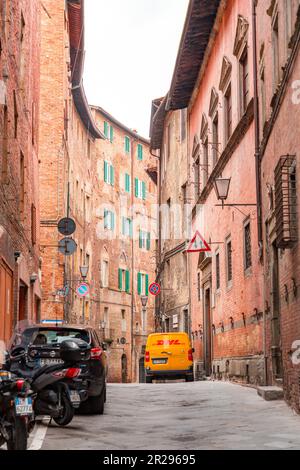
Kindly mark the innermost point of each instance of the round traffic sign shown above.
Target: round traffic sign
(154, 289)
(83, 289)
(67, 246)
(66, 226)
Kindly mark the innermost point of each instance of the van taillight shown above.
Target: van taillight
(96, 353)
(190, 355)
(147, 356)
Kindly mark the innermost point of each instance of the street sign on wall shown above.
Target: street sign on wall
(66, 226)
(67, 246)
(154, 289)
(83, 289)
(198, 244)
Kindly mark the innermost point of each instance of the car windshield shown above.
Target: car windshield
(51, 337)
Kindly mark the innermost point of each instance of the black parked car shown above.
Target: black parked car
(42, 343)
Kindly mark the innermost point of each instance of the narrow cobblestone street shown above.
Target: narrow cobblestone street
(201, 415)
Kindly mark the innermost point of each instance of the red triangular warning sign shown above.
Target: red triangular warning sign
(198, 244)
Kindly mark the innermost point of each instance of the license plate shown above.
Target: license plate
(74, 397)
(159, 361)
(46, 362)
(23, 406)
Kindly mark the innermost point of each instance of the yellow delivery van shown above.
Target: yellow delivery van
(169, 356)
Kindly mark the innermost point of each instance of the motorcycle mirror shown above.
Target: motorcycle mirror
(18, 352)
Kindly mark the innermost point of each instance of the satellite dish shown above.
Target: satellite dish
(66, 226)
(67, 246)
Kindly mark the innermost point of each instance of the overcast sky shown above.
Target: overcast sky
(131, 48)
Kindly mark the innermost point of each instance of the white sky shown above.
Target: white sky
(131, 48)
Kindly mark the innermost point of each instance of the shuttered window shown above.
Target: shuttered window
(144, 240)
(127, 144)
(106, 129)
(109, 173)
(127, 183)
(126, 227)
(143, 284)
(140, 189)
(109, 220)
(124, 280)
(140, 151)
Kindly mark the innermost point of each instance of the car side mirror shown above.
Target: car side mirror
(193, 350)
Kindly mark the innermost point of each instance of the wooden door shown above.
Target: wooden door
(6, 302)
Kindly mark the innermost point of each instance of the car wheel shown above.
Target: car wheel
(189, 378)
(149, 380)
(94, 405)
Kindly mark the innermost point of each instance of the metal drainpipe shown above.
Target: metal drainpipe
(132, 141)
(258, 175)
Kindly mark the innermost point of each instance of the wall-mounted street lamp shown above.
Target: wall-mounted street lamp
(84, 271)
(222, 186)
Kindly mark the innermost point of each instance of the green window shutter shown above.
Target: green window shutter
(106, 129)
(130, 228)
(139, 280)
(127, 280)
(111, 134)
(140, 152)
(141, 239)
(105, 219)
(127, 144)
(148, 241)
(105, 171)
(143, 190)
(120, 279)
(123, 225)
(112, 219)
(112, 175)
(147, 284)
(136, 187)
(127, 183)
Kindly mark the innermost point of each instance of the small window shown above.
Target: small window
(205, 169)
(247, 246)
(124, 280)
(143, 284)
(105, 273)
(199, 286)
(106, 129)
(215, 136)
(127, 183)
(229, 261)
(228, 113)
(140, 189)
(109, 173)
(218, 276)
(140, 152)
(109, 220)
(144, 240)
(124, 325)
(127, 145)
(244, 81)
(126, 227)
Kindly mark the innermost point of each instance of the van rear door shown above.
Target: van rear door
(169, 351)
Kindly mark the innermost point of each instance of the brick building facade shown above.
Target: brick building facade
(20, 291)
(83, 164)
(67, 160)
(124, 199)
(278, 24)
(242, 97)
(173, 307)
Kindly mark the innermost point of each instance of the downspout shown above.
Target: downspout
(132, 261)
(158, 257)
(258, 177)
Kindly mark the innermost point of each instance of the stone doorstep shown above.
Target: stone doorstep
(270, 393)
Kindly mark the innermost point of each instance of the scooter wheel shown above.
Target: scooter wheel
(18, 433)
(67, 413)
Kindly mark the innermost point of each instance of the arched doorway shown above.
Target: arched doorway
(124, 368)
(142, 378)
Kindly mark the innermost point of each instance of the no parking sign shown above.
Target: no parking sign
(154, 289)
(83, 289)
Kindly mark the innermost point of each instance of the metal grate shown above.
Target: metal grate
(248, 254)
(286, 202)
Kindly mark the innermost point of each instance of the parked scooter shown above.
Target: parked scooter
(15, 411)
(58, 390)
